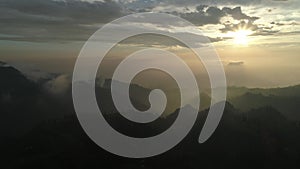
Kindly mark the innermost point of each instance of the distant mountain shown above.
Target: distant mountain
(288, 105)
(289, 91)
(284, 91)
(139, 96)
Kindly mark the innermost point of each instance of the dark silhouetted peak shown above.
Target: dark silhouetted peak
(2, 64)
(7, 72)
(13, 82)
(229, 106)
(229, 113)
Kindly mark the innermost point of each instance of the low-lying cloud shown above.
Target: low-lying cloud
(59, 85)
(235, 63)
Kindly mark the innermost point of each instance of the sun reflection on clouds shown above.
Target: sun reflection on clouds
(240, 36)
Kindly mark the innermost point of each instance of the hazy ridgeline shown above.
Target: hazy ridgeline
(260, 128)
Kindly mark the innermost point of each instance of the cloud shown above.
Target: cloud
(249, 25)
(68, 10)
(237, 14)
(212, 15)
(195, 2)
(203, 16)
(293, 23)
(235, 63)
(59, 85)
(46, 20)
(75, 20)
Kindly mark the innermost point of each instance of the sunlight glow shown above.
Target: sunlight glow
(240, 36)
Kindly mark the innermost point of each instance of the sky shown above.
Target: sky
(257, 41)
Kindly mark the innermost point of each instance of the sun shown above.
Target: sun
(240, 37)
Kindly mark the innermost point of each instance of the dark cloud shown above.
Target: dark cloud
(217, 39)
(249, 25)
(74, 20)
(284, 24)
(70, 10)
(46, 20)
(194, 2)
(237, 14)
(212, 15)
